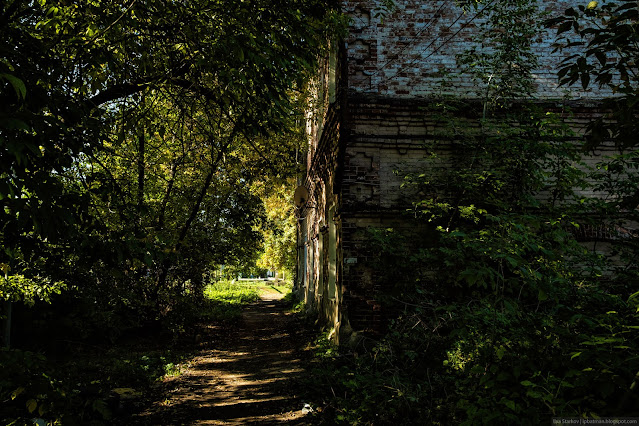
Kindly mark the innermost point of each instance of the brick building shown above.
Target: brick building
(368, 119)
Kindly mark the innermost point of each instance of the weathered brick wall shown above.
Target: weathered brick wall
(408, 53)
(324, 121)
(388, 137)
(362, 146)
(373, 144)
(366, 274)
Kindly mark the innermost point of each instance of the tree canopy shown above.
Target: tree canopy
(130, 134)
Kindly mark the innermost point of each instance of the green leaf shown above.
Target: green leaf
(102, 407)
(534, 394)
(477, 369)
(13, 123)
(510, 404)
(16, 393)
(585, 80)
(501, 351)
(564, 27)
(18, 85)
(542, 295)
(32, 404)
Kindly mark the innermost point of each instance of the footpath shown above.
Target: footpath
(249, 376)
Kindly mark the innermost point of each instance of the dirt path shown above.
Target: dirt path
(250, 376)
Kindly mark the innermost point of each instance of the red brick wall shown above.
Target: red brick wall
(405, 54)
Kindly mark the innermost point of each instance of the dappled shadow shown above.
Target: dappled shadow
(250, 376)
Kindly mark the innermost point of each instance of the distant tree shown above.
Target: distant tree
(279, 229)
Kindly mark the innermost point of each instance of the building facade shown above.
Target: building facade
(369, 119)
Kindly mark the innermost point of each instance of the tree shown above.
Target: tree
(279, 229)
(607, 37)
(125, 128)
(130, 135)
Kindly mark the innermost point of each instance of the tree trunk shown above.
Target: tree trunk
(164, 269)
(165, 200)
(141, 155)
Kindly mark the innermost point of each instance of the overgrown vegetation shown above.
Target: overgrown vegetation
(83, 383)
(138, 143)
(80, 382)
(523, 303)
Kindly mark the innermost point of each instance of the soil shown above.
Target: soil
(252, 375)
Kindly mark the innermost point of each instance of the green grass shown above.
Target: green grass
(225, 299)
(232, 293)
(281, 288)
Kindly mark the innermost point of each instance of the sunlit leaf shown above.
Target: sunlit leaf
(31, 404)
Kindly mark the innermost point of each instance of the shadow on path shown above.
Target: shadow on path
(250, 377)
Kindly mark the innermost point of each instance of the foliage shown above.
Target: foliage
(24, 387)
(81, 390)
(131, 136)
(385, 8)
(19, 288)
(279, 232)
(504, 314)
(500, 58)
(606, 34)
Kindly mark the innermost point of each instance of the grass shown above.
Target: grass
(226, 299)
(283, 289)
(232, 292)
